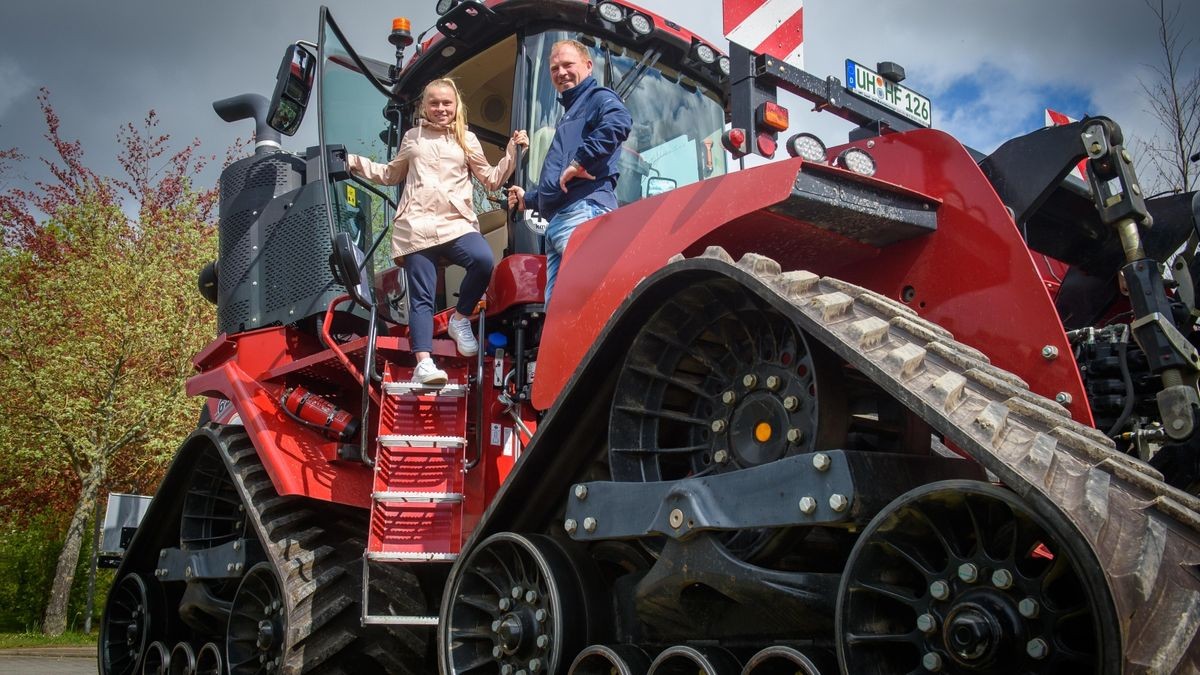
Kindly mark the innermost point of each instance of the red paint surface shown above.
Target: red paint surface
(517, 280)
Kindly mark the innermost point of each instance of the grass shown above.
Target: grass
(11, 640)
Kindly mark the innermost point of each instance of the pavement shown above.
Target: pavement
(48, 661)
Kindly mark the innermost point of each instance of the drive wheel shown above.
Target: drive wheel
(517, 604)
(127, 624)
(257, 623)
(963, 577)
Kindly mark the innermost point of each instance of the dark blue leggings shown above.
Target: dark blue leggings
(472, 253)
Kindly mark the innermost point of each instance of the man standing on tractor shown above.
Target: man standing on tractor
(579, 174)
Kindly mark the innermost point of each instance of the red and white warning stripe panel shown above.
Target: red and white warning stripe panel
(773, 27)
(1057, 119)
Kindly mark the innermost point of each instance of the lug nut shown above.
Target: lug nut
(750, 381)
(773, 382)
(1028, 608)
(505, 604)
(540, 615)
(517, 592)
(589, 524)
(821, 461)
(720, 457)
(968, 573)
(496, 626)
(932, 662)
(506, 669)
(496, 652)
(570, 525)
(838, 502)
(1049, 352)
(729, 398)
(718, 426)
(940, 590)
(926, 623)
(791, 403)
(1002, 579)
(1037, 648)
(795, 435)
(808, 505)
(543, 641)
(531, 597)
(535, 665)
(581, 492)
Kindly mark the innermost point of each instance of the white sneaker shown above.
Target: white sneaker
(460, 330)
(427, 373)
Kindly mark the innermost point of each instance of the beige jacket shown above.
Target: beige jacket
(436, 205)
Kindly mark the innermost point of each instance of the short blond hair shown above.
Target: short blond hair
(579, 47)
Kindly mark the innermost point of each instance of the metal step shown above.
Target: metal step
(389, 620)
(418, 389)
(411, 556)
(421, 497)
(405, 441)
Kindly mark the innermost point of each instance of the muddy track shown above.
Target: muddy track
(317, 549)
(1144, 534)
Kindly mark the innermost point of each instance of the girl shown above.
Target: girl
(435, 218)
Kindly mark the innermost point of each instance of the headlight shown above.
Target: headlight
(806, 146)
(705, 53)
(857, 161)
(723, 62)
(641, 24)
(444, 6)
(611, 12)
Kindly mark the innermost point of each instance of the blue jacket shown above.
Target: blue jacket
(591, 131)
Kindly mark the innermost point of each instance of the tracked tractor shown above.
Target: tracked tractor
(888, 406)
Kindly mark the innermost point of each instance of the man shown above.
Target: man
(579, 174)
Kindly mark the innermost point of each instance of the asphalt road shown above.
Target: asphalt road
(47, 664)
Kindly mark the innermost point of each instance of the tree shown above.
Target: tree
(99, 316)
(1173, 97)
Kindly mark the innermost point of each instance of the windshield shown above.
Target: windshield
(677, 124)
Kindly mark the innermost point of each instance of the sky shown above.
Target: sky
(990, 67)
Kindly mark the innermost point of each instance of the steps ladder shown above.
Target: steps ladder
(417, 494)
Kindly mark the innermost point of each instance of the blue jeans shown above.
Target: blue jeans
(470, 251)
(558, 233)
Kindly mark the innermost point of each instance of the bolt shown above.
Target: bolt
(675, 518)
(540, 615)
(795, 435)
(718, 426)
(968, 573)
(1002, 579)
(808, 505)
(940, 590)
(1063, 398)
(750, 381)
(838, 502)
(1125, 156)
(531, 597)
(773, 382)
(581, 492)
(1037, 648)
(505, 604)
(1028, 608)
(162, 553)
(517, 592)
(496, 626)
(229, 567)
(791, 403)
(506, 669)
(535, 665)
(589, 524)
(932, 662)
(1049, 352)
(187, 572)
(821, 461)
(237, 545)
(926, 623)
(496, 652)
(543, 641)
(570, 525)
(238, 567)
(1136, 189)
(720, 457)
(729, 398)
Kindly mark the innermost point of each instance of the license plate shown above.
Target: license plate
(872, 86)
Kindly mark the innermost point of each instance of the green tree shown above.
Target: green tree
(99, 316)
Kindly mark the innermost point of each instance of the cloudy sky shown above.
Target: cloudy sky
(990, 67)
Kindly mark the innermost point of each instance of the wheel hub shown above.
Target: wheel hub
(972, 633)
(266, 634)
(758, 430)
(511, 631)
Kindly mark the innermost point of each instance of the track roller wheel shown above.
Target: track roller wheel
(610, 660)
(127, 624)
(685, 660)
(963, 577)
(784, 660)
(183, 660)
(208, 660)
(257, 623)
(156, 659)
(516, 604)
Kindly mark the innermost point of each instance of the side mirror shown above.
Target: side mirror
(656, 185)
(348, 262)
(293, 84)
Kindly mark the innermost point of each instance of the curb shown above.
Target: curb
(51, 652)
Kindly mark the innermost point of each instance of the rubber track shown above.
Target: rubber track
(1144, 533)
(317, 550)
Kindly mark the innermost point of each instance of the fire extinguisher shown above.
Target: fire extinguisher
(307, 407)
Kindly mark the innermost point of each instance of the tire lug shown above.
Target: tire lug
(1028, 608)
(968, 572)
(940, 590)
(1037, 648)
(1002, 579)
(926, 623)
(932, 662)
